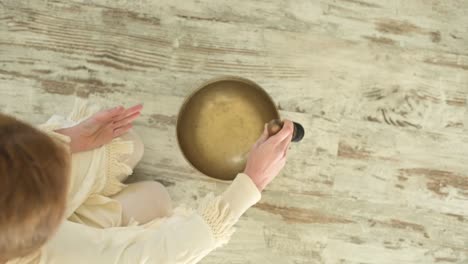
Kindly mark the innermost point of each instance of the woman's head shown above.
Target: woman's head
(33, 187)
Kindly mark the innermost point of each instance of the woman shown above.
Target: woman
(62, 199)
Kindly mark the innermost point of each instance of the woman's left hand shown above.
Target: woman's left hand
(101, 128)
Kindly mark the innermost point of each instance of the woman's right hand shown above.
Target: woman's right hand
(268, 155)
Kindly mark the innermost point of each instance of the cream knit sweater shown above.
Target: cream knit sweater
(93, 232)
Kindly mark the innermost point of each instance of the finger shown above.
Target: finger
(126, 120)
(284, 145)
(109, 113)
(130, 111)
(122, 130)
(285, 132)
(285, 153)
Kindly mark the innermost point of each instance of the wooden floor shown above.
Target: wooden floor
(381, 87)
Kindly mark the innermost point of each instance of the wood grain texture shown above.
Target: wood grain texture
(380, 86)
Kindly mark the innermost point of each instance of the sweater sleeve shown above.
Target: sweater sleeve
(49, 129)
(180, 239)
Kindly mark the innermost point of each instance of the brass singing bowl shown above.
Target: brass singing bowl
(219, 122)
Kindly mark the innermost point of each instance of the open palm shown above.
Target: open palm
(101, 128)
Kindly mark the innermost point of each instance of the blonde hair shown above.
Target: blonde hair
(33, 187)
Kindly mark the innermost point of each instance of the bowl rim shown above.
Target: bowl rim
(198, 89)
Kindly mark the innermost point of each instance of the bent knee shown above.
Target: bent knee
(158, 199)
(144, 201)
